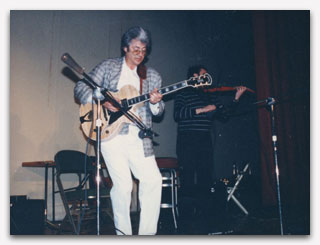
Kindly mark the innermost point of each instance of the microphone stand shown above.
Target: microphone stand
(271, 103)
(99, 94)
(98, 178)
(66, 58)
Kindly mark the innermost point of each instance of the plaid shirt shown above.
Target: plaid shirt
(107, 75)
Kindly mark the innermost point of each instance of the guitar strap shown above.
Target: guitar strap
(141, 86)
(142, 72)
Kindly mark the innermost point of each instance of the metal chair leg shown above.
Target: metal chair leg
(174, 193)
(66, 206)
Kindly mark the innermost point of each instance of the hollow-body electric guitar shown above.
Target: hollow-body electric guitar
(112, 122)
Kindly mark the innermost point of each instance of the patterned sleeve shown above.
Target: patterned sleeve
(155, 82)
(82, 91)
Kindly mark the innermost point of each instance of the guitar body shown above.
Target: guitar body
(111, 123)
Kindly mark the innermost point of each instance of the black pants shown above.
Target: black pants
(195, 155)
(198, 189)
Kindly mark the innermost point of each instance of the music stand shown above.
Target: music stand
(231, 190)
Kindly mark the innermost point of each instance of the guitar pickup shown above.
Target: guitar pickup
(124, 104)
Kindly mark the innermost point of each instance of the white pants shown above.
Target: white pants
(123, 155)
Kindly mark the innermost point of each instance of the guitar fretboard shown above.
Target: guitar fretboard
(165, 90)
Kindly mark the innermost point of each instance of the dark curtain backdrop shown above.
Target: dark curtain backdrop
(282, 58)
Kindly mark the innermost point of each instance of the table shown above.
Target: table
(46, 165)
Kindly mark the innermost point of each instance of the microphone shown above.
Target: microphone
(66, 58)
(270, 101)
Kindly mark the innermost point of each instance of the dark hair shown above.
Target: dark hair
(195, 69)
(139, 33)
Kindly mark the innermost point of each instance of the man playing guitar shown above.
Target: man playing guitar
(126, 152)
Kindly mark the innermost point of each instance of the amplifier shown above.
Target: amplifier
(26, 216)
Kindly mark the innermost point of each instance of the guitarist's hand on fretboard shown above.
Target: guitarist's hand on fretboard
(155, 96)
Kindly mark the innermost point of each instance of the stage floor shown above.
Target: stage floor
(257, 222)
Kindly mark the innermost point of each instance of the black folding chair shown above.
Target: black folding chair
(76, 198)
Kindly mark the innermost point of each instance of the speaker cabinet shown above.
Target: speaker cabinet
(26, 216)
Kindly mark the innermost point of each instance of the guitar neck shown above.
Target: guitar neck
(165, 90)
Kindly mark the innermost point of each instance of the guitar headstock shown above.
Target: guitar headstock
(202, 80)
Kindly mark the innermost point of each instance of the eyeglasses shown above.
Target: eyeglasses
(137, 51)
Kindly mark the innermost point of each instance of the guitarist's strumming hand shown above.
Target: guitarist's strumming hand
(110, 106)
(155, 96)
